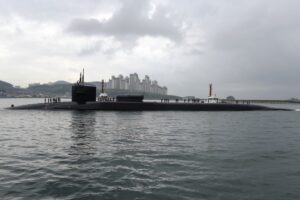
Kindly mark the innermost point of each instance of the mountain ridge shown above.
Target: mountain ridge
(63, 88)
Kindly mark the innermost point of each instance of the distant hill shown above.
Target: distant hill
(5, 85)
(64, 89)
(60, 82)
(95, 83)
(50, 90)
(7, 89)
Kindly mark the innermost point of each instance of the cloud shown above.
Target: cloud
(59, 11)
(134, 19)
(248, 49)
(262, 41)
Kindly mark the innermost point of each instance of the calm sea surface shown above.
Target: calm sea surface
(149, 155)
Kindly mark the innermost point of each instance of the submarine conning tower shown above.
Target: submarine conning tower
(82, 93)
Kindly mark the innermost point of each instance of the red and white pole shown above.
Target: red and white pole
(210, 90)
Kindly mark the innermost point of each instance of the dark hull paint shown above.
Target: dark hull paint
(144, 106)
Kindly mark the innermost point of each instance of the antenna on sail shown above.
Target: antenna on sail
(102, 86)
(83, 76)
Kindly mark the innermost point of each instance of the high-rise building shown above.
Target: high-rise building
(133, 83)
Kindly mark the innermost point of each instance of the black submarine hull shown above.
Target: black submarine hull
(144, 106)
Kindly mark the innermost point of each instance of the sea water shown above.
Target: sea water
(148, 155)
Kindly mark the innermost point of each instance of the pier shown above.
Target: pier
(267, 101)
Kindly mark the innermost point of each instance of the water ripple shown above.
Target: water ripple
(149, 155)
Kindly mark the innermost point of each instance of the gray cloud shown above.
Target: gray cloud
(90, 49)
(96, 47)
(131, 20)
(262, 44)
(248, 49)
(44, 10)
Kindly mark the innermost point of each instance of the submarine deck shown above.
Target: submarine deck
(144, 106)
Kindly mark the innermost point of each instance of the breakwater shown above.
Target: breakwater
(268, 101)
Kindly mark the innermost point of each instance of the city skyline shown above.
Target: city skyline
(133, 83)
(139, 85)
(120, 82)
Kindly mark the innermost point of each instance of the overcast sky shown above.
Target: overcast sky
(248, 49)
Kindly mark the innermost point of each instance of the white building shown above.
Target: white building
(133, 83)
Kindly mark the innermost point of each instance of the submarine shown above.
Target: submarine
(84, 98)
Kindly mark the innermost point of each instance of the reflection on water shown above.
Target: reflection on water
(83, 133)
